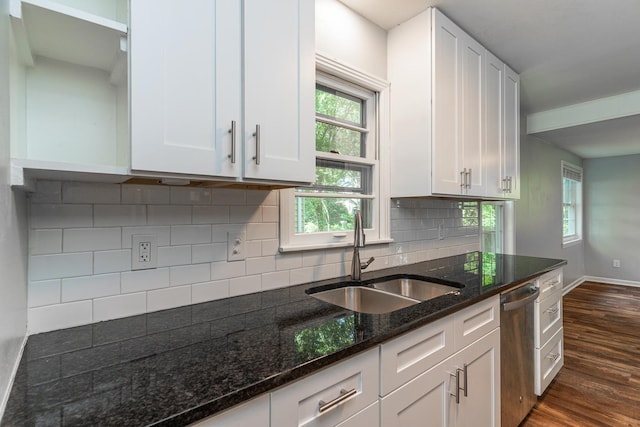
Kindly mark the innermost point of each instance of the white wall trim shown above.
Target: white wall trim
(14, 371)
(611, 281)
(606, 280)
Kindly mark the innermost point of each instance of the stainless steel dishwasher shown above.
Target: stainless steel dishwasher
(517, 353)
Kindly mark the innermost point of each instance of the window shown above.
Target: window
(348, 168)
(571, 204)
(497, 221)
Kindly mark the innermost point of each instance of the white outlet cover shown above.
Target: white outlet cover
(236, 248)
(137, 242)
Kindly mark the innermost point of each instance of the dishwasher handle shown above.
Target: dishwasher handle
(514, 305)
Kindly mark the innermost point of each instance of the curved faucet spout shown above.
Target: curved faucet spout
(359, 240)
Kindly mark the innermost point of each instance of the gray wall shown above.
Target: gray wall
(612, 223)
(13, 239)
(539, 210)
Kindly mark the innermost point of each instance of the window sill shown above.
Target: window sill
(571, 242)
(297, 248)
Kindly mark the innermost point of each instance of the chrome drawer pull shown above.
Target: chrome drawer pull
(257, 136)
(344, 395)
(458, 388)
(553, 356)
(232, 131)
(553, 310)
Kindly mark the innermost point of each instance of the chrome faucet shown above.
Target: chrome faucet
(358, 242)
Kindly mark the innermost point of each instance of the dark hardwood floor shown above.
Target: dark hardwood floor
(599, 384)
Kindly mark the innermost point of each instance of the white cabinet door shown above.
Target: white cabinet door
(254, 413)
(479, 403)
(279, 90)
(446, 98)
(422, 401)
(185, 86)
(511, 150)
(458, 121)
(494, 125)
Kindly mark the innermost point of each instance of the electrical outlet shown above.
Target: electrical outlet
(616, 263)
(144, 252)
(236, 250)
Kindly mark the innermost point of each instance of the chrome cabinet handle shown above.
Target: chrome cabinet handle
(510, 184)
(553, 356)
(232, 131)
(457, 393)
(257, 136)
(463, 179)
(465, 379)
(344, 395)
(469, 178)
(553, 310)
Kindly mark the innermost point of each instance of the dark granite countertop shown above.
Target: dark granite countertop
(177, 366)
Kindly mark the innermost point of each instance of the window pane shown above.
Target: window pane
(315, 214)
(333, 104)
(335, 139)
(340, 177)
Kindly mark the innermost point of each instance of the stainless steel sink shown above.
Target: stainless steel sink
(415, 288)
(364, 300)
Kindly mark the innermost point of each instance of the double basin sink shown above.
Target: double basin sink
(385, 294)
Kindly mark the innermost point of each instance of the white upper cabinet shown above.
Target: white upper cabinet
(511, 157)
(441, 114)
(186, 86)
(223, 89)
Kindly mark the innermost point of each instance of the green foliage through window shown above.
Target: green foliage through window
(326, 338)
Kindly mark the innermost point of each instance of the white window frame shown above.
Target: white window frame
(380, 230)
(574, 172)
(506, 224)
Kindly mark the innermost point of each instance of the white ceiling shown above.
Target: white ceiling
(566, 52)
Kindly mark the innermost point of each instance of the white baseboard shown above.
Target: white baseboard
(7, 392)
(611, 281)
(607, 280)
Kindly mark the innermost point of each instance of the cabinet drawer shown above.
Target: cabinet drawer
(549, 284)
(299, 404)
(254, 413)
(409, 355)
(369, 417)
(549, 360)
(476, 321)
(547, 319)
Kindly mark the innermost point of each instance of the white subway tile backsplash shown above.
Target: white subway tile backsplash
(45, 292)
(61, 216)
(47, 192)
(174, 255)
(91, 239)
(288, 261)
(270, 214)
(168, 214)
(88, 287)
(80, 247)
(210, 214)
(162, 233)
(262, 197)
(45, 241)
(163, 299)
(119, 306)
(56, 266)
(253, 248)
(227, 270)
(86, 192)
(261, 265)
(190, 196)
(278, 279)
(208, 253)
(59, 316)
(188, 274)
(209, 291)
(146, 194)
(262, 231)
(111, 261)
(223, 196)
(190, 234)
(144, 280)
(119, 215)
(245, 285)
(241, 214)
(270, 247)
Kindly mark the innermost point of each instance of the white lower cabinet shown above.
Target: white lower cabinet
(254, 413)
(369, 417)
(329, 397)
